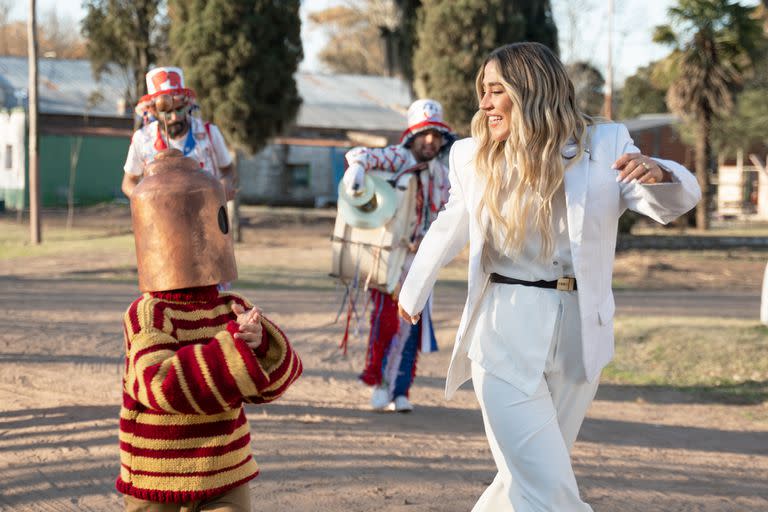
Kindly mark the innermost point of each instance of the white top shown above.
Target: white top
(595, 202)
(515, 325)
(528, 266)
(210, 151)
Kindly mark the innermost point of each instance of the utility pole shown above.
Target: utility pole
(34, 166)
(608, 102)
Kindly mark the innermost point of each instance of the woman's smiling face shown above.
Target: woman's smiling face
(495, 103)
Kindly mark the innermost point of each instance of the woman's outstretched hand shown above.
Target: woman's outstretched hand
(640, 168)
(405, 316)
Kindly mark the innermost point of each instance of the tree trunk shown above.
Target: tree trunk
(233, 206)
(703, 154)
(34, 166)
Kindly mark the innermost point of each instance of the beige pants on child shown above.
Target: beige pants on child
(234, 500)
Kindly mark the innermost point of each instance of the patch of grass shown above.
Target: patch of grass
(117, 274)
(721, 359)
(54, 244)
(284, 278)
(57, 240)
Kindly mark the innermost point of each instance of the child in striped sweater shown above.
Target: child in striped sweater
(194, 356)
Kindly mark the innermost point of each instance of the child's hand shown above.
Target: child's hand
(250, 326)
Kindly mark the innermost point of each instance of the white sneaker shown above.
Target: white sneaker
(380, 398)
(402, 404)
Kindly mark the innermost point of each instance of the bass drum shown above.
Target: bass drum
(375, 258)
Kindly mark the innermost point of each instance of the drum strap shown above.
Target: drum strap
(416, 169)
(376, 260)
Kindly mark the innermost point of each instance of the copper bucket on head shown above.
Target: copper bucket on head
(180, 226)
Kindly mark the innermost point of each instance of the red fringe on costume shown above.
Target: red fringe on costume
(384, 325)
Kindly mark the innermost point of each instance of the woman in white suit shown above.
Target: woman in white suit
(537, 191)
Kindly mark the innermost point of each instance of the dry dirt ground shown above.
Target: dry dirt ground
(640, 450)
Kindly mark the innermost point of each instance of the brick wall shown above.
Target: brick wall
(664, 142)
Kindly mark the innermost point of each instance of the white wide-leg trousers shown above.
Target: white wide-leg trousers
(531, 436)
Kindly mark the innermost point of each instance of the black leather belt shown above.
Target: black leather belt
(564, 284)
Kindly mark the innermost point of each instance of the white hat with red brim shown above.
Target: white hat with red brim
(167, 80)
(423, 115)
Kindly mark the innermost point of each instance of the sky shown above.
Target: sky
(634, 21)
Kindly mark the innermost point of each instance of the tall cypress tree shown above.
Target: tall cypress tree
(240, 57)
(407, 36)
(455, 36)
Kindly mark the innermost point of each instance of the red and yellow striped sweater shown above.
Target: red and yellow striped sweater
(183, 431)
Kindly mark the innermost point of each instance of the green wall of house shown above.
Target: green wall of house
(98, 174)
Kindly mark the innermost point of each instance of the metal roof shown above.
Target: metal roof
(349, 102)
(649, 121)
(65, 87)
(352, 102)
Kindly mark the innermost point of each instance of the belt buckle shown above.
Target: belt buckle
(565, 284)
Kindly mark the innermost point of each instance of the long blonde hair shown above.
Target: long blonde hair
(527, 168)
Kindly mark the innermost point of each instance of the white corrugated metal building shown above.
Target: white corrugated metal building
(80, 120)
(303, 166)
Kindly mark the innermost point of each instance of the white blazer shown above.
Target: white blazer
(594, 202)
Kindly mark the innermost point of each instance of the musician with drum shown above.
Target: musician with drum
(393, 344)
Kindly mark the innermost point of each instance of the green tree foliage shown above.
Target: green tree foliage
(642, 94)
(747, 126)
(131, 34)
(240, 57)
(405, 36)
(588, 85)
(714, 43)
(455, 36)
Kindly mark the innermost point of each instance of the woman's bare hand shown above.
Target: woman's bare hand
(405, 316)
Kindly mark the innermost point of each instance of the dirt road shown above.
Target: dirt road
(640, 450)
(60, 354)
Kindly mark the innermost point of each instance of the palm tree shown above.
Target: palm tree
(713, 45)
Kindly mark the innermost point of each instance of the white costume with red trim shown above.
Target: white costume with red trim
(202, 141)
(208, 147)
(393, 343)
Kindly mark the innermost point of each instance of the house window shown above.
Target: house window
(299, 175)
(8, 156)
